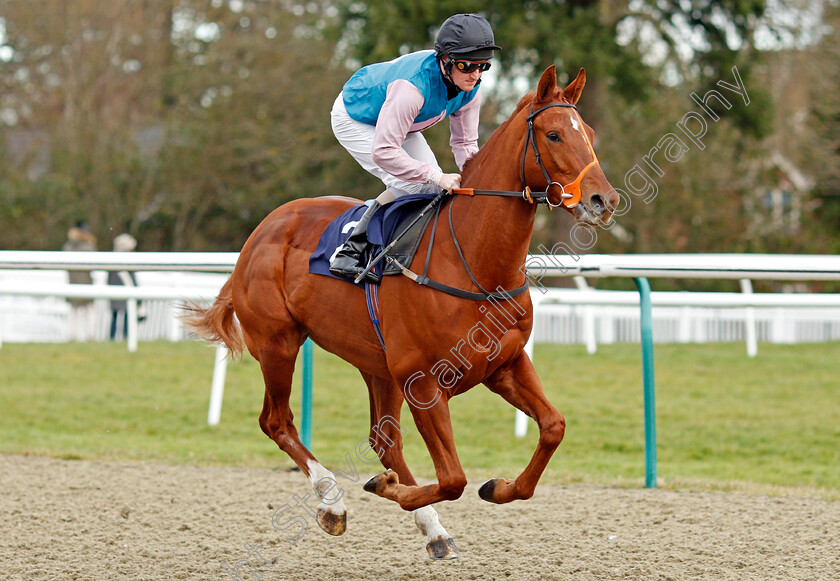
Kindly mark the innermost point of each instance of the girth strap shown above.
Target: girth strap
(372, 294)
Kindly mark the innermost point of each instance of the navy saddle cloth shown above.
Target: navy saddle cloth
(383, 227)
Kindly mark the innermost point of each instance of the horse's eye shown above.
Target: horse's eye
(553, 136)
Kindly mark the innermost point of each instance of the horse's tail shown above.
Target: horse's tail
(217, 323)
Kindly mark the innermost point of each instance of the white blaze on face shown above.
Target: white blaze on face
(575, 124)
(323, 480)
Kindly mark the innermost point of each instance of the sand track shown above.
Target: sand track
(101, 520)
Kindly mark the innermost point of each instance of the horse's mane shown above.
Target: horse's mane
(526, 100)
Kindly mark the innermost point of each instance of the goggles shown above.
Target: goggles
(470, 66)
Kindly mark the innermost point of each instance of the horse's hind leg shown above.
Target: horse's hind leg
(517, 382)
(277, 362)
(386, 440)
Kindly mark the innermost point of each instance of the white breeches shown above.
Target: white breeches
(357, 138)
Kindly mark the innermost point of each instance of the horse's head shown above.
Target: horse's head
(559, 152)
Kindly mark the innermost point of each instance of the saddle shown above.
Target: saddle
(386, 225)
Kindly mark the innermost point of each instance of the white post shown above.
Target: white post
(101, 312)
(173, 324)
(174, 329)
(605, 325)
(778, 326)
(790, 329)
(520, 426)
(588, 319)
(701, 322)
(749, 320)
(684, 325)
(131, 331)
(217, 390)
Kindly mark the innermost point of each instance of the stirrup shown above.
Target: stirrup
(354, 271)
(352, 264)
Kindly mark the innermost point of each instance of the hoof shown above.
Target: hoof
(486, 490)
(441, 549)
(333, 524)
(370, 485)
(378, 482)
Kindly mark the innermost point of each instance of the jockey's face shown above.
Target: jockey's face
(466, 81)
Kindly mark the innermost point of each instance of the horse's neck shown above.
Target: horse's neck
(494, 231)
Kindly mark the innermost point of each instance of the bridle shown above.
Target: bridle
(570, 194)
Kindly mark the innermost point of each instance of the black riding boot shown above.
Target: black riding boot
(351, 259)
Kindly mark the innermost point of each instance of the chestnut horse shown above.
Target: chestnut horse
(433, 340)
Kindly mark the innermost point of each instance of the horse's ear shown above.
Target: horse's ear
(547, 86)
(575, 88)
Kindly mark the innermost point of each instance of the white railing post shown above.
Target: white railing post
(520, 426)
(686, 317)
(777, 326)
(175, 329)
(749, 320)
(217, 389)
(131, 325)
(173, 323)
(588, 317)
(101, 310)
(606, 324)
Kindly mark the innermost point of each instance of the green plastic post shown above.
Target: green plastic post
(649, 382)
(306, 400)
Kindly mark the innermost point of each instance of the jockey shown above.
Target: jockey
(380, 113)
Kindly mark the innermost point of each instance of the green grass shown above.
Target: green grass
(724, 421)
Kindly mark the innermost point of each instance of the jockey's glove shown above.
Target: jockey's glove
(450, 181)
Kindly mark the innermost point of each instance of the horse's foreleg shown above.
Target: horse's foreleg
(385, 428)
(386, 440)
(433, 423)
(277, 362)
(518, 383)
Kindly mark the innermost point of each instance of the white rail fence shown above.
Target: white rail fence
(596, 316)
(33, 305)
(561, 315)
(33, 309)
(34, 286)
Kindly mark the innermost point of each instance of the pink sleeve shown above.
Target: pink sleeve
(403, 102)
(463, 124)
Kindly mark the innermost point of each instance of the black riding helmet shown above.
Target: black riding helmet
(466, 37)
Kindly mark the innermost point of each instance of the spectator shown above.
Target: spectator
(82, 322)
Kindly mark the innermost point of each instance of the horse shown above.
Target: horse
(436, 345)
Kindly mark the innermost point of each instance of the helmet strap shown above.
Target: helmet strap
(447, 68)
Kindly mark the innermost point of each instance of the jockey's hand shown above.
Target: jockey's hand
(450, 181)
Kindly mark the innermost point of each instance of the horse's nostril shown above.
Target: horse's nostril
(612, 201)
(596, 202)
